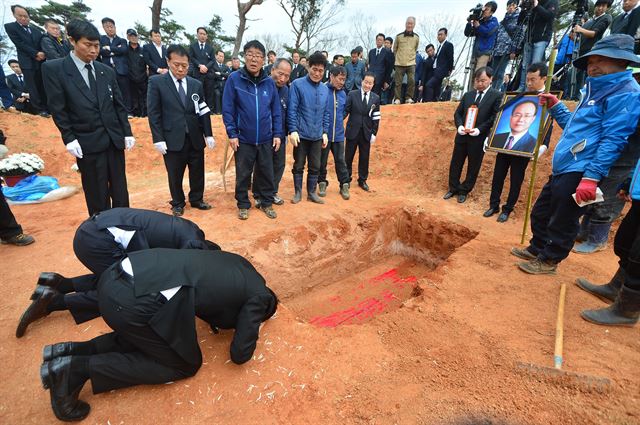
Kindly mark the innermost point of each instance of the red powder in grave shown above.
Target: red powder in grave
(370, 306)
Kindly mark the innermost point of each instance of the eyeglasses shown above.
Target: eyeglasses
(519, 115)
(252, 56)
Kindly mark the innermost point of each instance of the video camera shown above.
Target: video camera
(582, 7)
(476, 13)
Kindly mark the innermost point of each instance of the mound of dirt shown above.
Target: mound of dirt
(397, 306)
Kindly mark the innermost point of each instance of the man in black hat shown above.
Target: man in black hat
(99, 242)
(137, 75)
(150, 300)
(593, 137)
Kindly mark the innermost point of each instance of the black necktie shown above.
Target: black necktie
(27, 29)
(438, 51)
(202, 47)
(377, 52)
(365, 99)
(92, 80)
(478, 98)
(182, 93)
(20, 79)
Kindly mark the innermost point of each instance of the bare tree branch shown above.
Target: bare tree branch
(243, 10)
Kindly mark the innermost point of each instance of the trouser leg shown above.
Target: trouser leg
(540, 216)
(123, 85)
(458, 156)
(518, 170)
(474, 163)
(350, 152)
(94, 174)
(9, 227)
(399, 75)
(245, 160)
(411, 81)
(176, 162)
(500, 170)
(324, 159)
(196, 173)
(364, 148)
(564, 218)
(341, 166)
(117, 178)
(264, 186)
(279, 163)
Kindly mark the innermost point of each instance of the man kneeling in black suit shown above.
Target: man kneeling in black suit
(100, 241)
(151, 299)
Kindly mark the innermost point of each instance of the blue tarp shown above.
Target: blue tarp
(31, 188)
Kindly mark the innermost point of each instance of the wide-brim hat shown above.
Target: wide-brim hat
(615, 46)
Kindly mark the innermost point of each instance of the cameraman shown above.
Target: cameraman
(591, 32)
(505, 47)
(539, 31)
(485, 29)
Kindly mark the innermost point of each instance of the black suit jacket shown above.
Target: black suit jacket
(153, 59)
(361, 116)
(27, 45)
(381, 65)
(169, 118)
(219, 287)
(198, 57)
(78, 114)
(220, 75)
(487, 110)
(444, 60)
(627, 26)
(427, 71)
(153, 229)
(300, 71)
(118, 51)
(53, 48)
(526, 144)
(16, 87)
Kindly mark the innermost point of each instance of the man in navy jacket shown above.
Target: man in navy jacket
(308, 131)
(114, 53)
(252, 116)
(380, 61)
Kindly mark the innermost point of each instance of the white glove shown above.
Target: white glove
(474, 132)
(74, 149)
(129, 142)
(485, 145)
(461, 130)
(373, 139)
(211, 142)
(541, 150)
(294, 138)
(161, 147)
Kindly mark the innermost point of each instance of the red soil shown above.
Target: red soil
(435, 343)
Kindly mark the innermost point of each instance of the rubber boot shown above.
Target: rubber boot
(583, 233)
(312, 182)
(607, 292)
(297, 186)
(322, 189)
(625, 311)
(597, 240)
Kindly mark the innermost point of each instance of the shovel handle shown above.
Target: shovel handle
(557, 352)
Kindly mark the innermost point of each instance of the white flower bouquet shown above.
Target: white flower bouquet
(20, 164)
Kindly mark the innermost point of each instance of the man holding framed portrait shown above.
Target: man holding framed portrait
(515, 147)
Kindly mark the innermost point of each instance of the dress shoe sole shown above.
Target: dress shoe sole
(47, 382)
(22, 324)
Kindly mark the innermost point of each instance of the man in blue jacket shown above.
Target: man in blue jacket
(334, 116)
(594, 136)
(251, 113)
(305, 118)
(114, 52)
(280, 72)
(485, 30)
(624, 288)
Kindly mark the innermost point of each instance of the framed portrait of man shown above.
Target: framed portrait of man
(515, 131)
